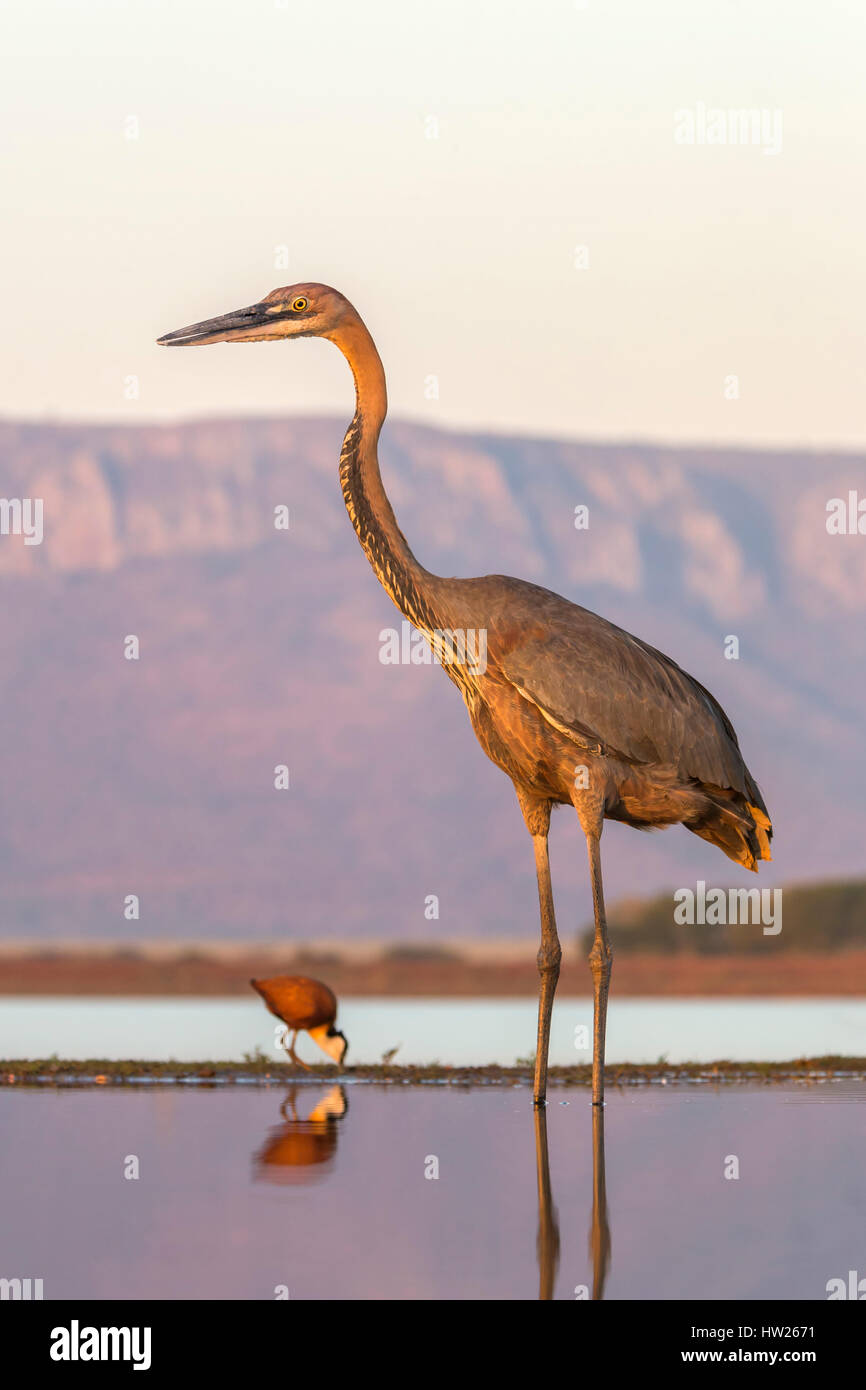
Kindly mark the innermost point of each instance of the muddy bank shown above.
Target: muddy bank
(262, 1071)
(415, 975)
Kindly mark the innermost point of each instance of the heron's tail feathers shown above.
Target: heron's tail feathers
(763, 830)
(740, 829)
(736, 821)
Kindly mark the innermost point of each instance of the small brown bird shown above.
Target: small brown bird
(308, 1005)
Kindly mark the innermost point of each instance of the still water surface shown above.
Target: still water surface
(323, 1190)
(456, 1031)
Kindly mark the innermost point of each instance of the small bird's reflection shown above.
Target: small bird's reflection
(548, 1221)
(301, 1150)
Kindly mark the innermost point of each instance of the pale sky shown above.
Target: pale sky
(305, 125)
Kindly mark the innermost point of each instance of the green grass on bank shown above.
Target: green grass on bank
(816, 917)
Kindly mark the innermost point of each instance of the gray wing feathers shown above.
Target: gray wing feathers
(613, 693)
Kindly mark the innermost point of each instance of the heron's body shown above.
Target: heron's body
(574, 691)
(304, 1005)
(572, 708)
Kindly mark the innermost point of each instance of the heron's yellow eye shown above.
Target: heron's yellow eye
(299, 304)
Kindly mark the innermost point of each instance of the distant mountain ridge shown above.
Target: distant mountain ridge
(260, 647)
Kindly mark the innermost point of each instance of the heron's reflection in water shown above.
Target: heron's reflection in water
(547, 1244)
(301, 1150)
(548, 1221)
(599, 1231)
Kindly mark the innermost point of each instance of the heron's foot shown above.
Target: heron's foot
(598, 1085)
(539, 1084)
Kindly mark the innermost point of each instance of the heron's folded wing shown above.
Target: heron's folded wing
(612, 694)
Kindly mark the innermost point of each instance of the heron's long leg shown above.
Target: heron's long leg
(600, 958)
(549, 956)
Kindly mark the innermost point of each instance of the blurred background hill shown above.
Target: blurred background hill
(260, 647)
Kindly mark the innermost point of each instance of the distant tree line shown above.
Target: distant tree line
(815, 917)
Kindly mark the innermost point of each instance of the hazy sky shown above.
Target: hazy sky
(261, 125)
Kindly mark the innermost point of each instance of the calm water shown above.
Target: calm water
(465, 1031)
(322, 1190)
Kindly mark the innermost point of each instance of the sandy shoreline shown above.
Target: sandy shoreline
(200, 972)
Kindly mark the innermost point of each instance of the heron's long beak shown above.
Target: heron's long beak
(248, 325)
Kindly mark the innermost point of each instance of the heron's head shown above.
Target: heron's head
(332, 1041)
(296, 311)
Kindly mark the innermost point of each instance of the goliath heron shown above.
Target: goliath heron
(572, 708)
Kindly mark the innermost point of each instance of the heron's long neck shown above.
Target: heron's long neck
(410, 586)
